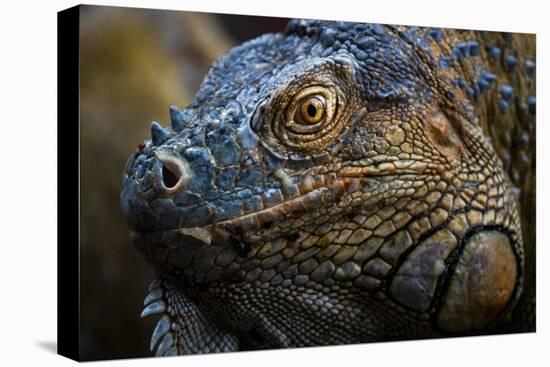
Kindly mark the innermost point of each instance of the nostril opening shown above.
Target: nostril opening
(170, 177)
(172, 172)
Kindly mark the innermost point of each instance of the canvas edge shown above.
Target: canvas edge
(68, 172)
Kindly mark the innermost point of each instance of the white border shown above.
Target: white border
(28, 184)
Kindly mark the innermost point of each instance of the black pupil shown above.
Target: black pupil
(311, 110)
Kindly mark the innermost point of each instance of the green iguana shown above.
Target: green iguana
(343, 183)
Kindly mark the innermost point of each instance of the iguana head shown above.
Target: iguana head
(334, 174)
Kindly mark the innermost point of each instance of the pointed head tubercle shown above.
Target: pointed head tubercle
(177, 118)
(158, 134)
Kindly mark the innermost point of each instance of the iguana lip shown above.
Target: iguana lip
(256, 220)
(348, 180)
(245, 227)
(220, 231)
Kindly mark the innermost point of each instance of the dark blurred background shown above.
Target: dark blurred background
(134, 64)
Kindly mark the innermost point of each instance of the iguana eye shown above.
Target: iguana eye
(310, 113)
(311, 110)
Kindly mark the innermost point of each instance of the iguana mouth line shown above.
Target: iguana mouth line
(341, 185)
(285, 205)
(315, 197)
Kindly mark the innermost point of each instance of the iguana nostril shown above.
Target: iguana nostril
(169, 178)
(173, 172)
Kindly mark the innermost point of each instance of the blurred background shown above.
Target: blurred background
(134, 64)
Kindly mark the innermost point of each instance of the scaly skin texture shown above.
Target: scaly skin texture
(343, 183)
